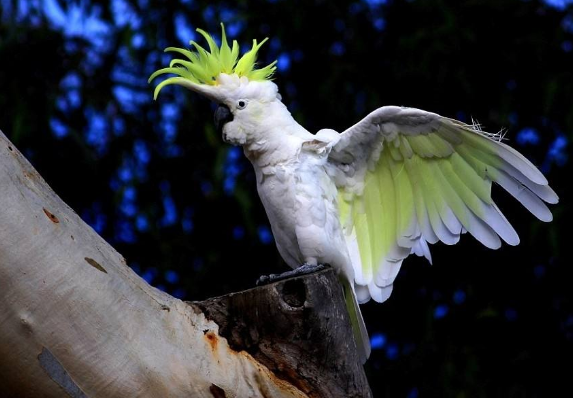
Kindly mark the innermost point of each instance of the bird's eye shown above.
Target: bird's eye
(241, 104)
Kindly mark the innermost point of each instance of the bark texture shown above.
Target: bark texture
(76, 321)
(299, 329)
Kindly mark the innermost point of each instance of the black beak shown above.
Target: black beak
(222, 116)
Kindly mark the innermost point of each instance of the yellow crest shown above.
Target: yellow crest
(203, 67)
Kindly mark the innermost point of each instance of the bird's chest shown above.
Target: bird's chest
(300, 202)
(288, 191)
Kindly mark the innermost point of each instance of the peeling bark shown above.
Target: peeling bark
(76, 321)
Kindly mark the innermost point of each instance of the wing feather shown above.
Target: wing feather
(407, 178)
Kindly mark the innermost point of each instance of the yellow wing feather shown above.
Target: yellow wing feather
(431, 181)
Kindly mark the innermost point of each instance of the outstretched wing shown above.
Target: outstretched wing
(407, 177)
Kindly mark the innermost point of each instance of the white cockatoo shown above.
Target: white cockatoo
(365, 199)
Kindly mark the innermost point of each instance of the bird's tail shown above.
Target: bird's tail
(358, 326)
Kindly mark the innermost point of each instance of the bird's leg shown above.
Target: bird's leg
(302, 270)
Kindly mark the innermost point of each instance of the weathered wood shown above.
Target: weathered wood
(299, 329)
(76, 321)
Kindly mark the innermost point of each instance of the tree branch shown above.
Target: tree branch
(76, 321)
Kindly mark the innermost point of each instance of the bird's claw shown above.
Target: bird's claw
(304, 269)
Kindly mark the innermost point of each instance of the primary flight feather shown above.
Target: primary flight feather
(365, 199)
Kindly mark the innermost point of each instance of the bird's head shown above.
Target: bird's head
(244, 94)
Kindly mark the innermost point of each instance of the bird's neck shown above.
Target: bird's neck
(278, 141)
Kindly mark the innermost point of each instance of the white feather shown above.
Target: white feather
(380, 294)
(527, 198)
(483, 232)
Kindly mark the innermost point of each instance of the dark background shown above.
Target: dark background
(155, 180)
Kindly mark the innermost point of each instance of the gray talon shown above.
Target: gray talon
(302, 270)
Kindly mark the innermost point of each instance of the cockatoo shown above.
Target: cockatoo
(365, 199)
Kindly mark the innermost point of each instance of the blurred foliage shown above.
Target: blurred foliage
(155, 180)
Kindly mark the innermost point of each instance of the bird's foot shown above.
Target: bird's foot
(302, 270)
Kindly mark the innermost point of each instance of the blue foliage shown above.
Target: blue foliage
(392, 351)
(459, 297)
(528, 135)
(124, 232)
(59, 129)
(183, 29)
(171, 276)
(567, 23)
(79, 20)
(234, 28)
(170, 111)
(62, 104)
(238, 232)
(232, 168)
(209, 14)
(150, 274)
(74, 98)
(169, 130)
(95, 217)
(71, 80)
(275, 44)
(441, 311)
(127, 205)
(124, 74)
(179, 293)
(7, 11)
(124, 14)
(173, 151)
(141, 151)
(377, 341)
(557, 150)
(137, 41)
(96, 133)
(379, 23)
(234, 153)
(226, 14)
(170, 212)
(142, 223)
(187, 220)
(130, 193)
(265, 235)
(283, 62)
(130, 100)
(558, 4)
(375, 3)
(125, 172)
(229, 185)
(170, 114)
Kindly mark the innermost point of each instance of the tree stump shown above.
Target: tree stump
(299, 329)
